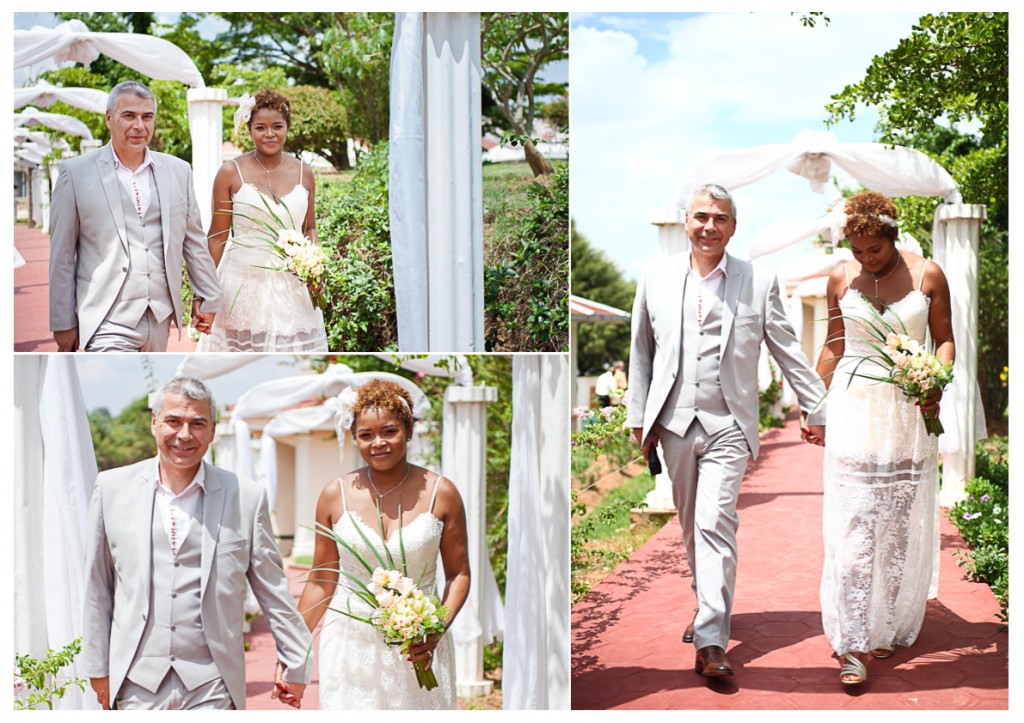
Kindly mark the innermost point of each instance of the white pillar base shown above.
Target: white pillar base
(660, 498)
(474, 690)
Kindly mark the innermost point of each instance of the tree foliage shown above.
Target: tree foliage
(944, 91)
(124, 439)
(515, 47)
(596, 277)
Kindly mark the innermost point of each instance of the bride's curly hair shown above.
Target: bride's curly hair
(268, 99)
(382, 394)
(869, 213)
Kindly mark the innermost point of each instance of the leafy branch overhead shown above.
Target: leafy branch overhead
(515, 48)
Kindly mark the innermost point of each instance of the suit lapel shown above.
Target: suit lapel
(213, 508)
(675, 304)
(144, 504)
(163, 187)
(733, 284)
(112, 190)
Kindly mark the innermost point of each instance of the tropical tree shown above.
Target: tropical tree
(944, 90)
(596, 277)
(515, 48)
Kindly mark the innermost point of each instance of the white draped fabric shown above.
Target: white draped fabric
(54, 473)
(44, 95)
(57, 121)
(72, 41)
(894, 171)
(536, 653)
(210, 366)
(434, 158)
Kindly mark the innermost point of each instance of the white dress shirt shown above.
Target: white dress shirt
(137, 182)
(707, 286)
(178, 510)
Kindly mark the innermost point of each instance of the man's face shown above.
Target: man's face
(183, 431)
(710, 224)
(131, 124)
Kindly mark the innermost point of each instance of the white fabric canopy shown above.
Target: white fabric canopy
(894, 171)
(791, 232)
(57, 121)
(536, 652)
(210, 366)
(54, 473)
(44, 95)
(72, 41)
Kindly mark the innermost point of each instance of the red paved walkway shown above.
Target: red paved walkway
(31, 296)
(626, 633)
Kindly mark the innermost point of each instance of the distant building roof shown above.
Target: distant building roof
(586, 310)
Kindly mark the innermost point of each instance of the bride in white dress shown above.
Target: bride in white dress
(264, 310)
(357, 670)
(881, 465)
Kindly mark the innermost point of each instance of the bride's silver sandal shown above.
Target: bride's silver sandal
(882, 652)
(854, 668)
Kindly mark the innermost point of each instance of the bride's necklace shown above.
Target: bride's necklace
(256, 157)
(899, 257)
(381, 495)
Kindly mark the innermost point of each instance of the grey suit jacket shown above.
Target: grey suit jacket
(89, 243)
(238, 545)
(752, 312)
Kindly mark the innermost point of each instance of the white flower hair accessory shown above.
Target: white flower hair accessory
(888, 220)
(837, 224)
(344, 417)
(244, 112)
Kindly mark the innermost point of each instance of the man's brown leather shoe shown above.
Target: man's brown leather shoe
(712, 663)
(688, 633)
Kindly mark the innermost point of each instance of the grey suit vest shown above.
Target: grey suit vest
(697, 392)
(173, 636)
(146, 285)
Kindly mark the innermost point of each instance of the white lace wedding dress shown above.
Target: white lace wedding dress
(357, 670)
(263, 310)
(881, 485)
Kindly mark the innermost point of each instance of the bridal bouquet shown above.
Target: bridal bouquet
(302, 258)
(399, 609)
(910, 366)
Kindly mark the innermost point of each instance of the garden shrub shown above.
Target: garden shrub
(526, 285)
(354, 230)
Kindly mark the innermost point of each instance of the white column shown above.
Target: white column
(672, 240)
(536, 654)
(963, 224)
(436, 205)
(206, 127)
(305, 497)
(671, 225)
(574, 330)
(465, 463)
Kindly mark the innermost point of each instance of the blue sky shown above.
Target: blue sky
(652, 93)
(115, 380)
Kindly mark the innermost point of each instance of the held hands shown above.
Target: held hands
(287, 693)
(102, 688)
(812, 433)
(67, 340)
(202, 321)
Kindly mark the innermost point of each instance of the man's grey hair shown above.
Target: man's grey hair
(188, 387)
(130, 87)
(714, 191)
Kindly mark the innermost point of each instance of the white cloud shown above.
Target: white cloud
(653, 94)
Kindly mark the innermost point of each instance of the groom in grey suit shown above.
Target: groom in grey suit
(698, 322)
(122, 219)
(171, 543)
